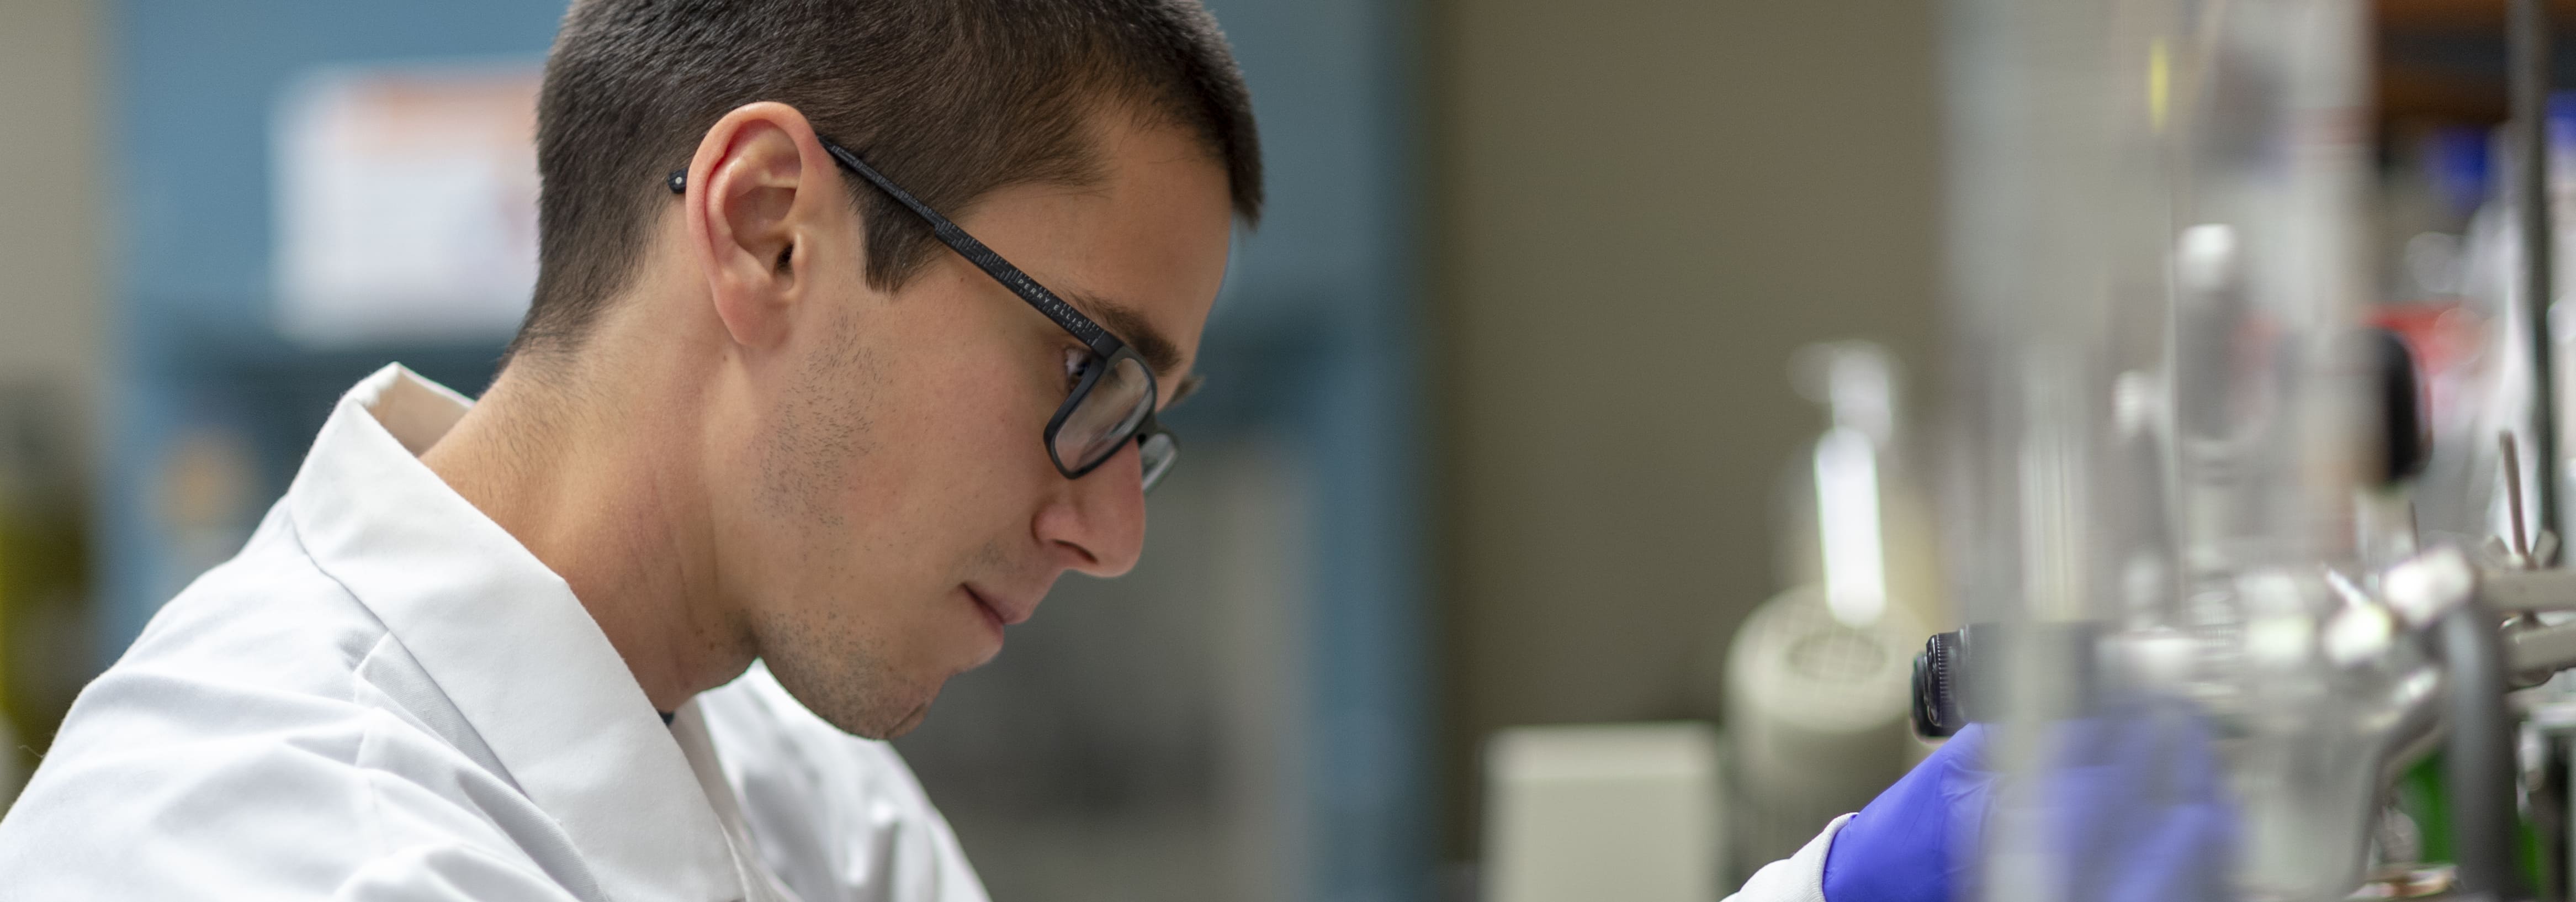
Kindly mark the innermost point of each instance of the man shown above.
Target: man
(852, 323)
(780, 448)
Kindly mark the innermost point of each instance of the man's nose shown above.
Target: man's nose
(1098, 526)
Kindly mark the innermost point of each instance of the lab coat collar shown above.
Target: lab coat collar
(506, 640)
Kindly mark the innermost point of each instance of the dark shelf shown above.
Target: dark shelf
(2441, 62)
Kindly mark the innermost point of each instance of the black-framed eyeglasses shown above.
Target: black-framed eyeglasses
(1113, 400)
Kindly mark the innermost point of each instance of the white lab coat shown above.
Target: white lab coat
(386, 697)
(1797, 878)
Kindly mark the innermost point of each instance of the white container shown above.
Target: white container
(1611, 811)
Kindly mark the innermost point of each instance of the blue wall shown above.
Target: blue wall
(1336, 262)
(1315, 337)
(194, 344)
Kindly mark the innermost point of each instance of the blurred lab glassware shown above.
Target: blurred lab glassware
(1814, 681)
(1853, 517)
(2160, 434)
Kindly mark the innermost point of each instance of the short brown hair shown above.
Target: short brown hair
(951, 98)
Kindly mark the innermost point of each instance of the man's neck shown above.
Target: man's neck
(600, 485)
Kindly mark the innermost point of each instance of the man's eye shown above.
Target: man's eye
(1074, 359)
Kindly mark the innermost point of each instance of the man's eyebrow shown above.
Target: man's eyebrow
(1159, 351)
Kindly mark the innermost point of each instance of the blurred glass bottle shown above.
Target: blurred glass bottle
(1853, 517)
(2445, 243)
(1815, 681)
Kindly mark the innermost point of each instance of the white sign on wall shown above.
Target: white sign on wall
(406, 203)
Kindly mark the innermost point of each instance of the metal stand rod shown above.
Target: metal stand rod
(2527, 34)
(2469, 638)
(2548, 816)
(2478, 761)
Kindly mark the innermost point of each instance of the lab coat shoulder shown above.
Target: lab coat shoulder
(878, 838)
(240, 749)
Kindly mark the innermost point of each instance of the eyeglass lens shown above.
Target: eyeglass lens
(1107, 417)
(1158, 453)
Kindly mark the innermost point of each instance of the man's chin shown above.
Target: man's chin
(867, 705)
(881, 717)
(901, 726)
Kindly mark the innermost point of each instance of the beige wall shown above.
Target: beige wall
(51, 208)
(1642, 207)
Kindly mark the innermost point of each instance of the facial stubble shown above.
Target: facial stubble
(819, 438)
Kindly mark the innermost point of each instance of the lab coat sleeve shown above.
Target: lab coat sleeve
(1797, 878)
(171, 785)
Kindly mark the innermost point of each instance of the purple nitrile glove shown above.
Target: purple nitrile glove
(2138, 809)
(2136, 812)
(1900, 847)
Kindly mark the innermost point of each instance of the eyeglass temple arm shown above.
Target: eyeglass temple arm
(1098, 339)
(983, 257)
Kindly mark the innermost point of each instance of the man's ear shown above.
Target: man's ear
(758, 193)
